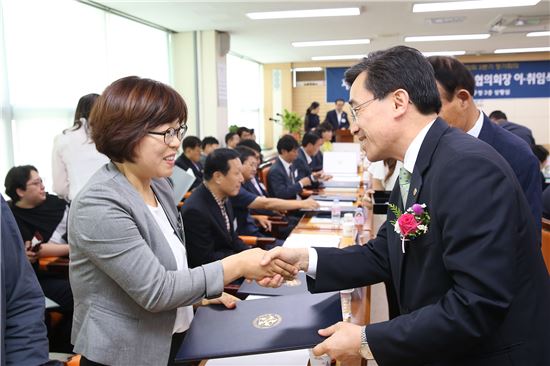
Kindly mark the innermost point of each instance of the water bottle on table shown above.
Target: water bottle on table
(335, 212)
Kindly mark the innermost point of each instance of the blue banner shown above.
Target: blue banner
(529, 79)
(336, 87)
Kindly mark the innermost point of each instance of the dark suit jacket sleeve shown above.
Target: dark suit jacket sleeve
(528, 174)
(279, 187)
(354, 266)
(23, 328)
(199, 240)
(475, 205)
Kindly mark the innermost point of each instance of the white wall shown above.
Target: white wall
(533, 113)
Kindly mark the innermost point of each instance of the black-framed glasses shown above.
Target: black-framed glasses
(170, 133)
(357, 108)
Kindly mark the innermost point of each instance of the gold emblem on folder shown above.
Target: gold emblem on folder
(266, 321)
(292, 283)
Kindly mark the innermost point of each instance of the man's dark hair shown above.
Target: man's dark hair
(190, 142)
(218, 161)
(452, 75)
(310, 138)
(251, 144)
(287, 143)
(229, 136)
(209, 140)
(17, 177)
(245, 152)
(339, 100)
(399, 67)
(498, 115)
(240, 131)
(540, 152)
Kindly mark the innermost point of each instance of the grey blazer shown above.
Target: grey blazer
(123, 274)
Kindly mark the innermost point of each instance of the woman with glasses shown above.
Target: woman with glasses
(133, 289)
(74, 157)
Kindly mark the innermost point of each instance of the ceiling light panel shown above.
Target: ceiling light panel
(470, 5)
(343, 42)
(523, 50)
(311, 13)
(539, 34)
(452, 37)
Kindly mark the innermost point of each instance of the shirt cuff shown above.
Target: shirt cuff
(312, 266)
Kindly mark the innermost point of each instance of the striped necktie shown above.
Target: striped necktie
(404, 184)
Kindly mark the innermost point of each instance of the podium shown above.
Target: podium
(343, 135)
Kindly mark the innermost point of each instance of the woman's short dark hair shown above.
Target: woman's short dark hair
(127, 110)
(540, 152)
(312, 106)
(83, 109)
(287, 143)
(452, 75)
(218, 161)
(17, 177)
(245, 152)
(399, 67)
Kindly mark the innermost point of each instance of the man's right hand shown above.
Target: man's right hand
(309, 204)
(297, 257)
(305, 181)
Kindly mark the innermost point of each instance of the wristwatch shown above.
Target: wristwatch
(365, 351)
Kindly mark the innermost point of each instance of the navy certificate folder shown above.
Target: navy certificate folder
(296, 286)
(274, 324)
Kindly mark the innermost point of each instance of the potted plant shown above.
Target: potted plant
(293, 123)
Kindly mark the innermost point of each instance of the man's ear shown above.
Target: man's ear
(400, 101)
(216, 177)
(463, 95)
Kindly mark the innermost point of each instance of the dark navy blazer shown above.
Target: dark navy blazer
(474, 289)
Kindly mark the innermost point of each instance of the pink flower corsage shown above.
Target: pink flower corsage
(411, 224)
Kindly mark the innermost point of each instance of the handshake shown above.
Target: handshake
(268, 268)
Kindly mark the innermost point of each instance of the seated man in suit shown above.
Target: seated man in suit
(208, 144)
(22, 328)
(42, 217)
(210, 232)
(456, 89)
(191, 158)
(311, 161)
(337, 117)
(284, 179)
(250, 199)
(500, 118)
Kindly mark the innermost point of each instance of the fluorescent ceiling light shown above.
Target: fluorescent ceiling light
(343, 42)
(452, 37)
(305, 69)
(521, 50)
(469, 5)
(539, 34)
(311, 13)
(339, 57)
(444, 53)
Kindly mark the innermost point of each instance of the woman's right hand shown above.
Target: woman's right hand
(367, 201)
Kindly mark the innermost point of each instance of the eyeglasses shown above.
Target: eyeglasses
(37, 182)
(170, 133)
(356, 109)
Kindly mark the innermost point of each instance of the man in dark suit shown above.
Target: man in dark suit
(191, 158)
(210, 232)
(284, 180)
(472, 286)
(23, 338)
(500, 118)
(337, 117)
(307, 163)
(456, 89)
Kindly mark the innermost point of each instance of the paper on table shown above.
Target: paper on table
(330, 204)
(290, 358)
(339, 162)
(346, 178)
(312, 240)
(320, 220)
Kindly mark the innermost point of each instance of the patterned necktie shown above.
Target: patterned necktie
(404, 184)
(291, 170)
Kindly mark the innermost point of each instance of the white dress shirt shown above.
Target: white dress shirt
(476, 130)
